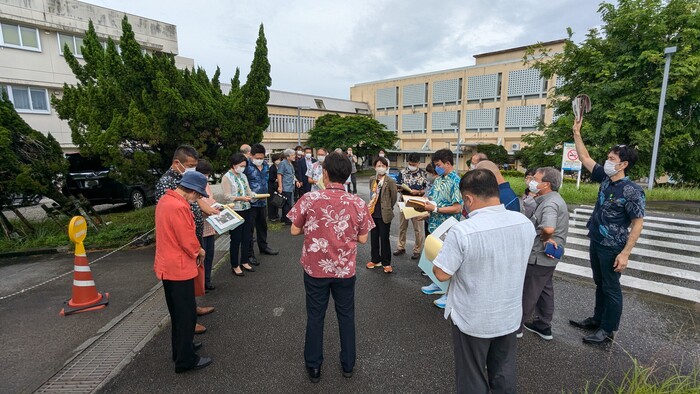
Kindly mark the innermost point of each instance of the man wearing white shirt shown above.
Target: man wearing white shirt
(486, 257)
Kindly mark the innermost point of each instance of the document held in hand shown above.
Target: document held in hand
(226, 220)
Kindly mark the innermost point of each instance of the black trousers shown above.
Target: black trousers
(179, 295)
(240, 240)
(485, 365)
(353, 182)
(208, 244)
(258, 218)
(608, 293)
(273, 213)
(318, 292)
(287, 206)
(380, 243)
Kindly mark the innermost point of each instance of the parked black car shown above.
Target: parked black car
(89, 177)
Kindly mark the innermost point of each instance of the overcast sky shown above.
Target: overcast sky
(325, 47)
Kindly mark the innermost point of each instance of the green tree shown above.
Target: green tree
(31, 162)
(255, 93)
(495, 153)
(133, 109)
(620, 66)
(364, 134)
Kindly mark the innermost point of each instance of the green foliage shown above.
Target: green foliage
(620, 66)
(364, 134)
(133, 109)
(124, 227)
(496, 153)
(31, 162)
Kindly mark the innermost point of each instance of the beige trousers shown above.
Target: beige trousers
(417, 231)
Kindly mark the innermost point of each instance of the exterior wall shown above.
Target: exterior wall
(512, 110)
(47, 69)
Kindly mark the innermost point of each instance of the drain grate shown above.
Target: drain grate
(108, 354)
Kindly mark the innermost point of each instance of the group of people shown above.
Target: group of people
(499, 258)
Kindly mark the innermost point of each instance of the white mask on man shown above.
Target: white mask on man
(381, 155)
(412, 168)
(609, 168)
(533, 186)
(258, 162)
(380, 170)
(308, 155)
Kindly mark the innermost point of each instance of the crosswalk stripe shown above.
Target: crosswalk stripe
(649, 218)
(644, 252)
(681, 247)
(685, 229)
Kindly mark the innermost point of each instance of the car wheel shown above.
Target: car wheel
(137, 200)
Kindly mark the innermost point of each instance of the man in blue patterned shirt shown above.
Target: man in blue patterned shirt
(620, 204)
(257, 172)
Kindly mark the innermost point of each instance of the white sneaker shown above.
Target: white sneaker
(432, 289)
(441, 302)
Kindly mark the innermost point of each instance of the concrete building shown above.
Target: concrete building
(32, 37)
(496, 101)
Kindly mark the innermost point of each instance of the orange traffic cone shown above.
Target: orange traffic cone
(85, 295)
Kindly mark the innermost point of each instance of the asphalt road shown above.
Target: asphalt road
(256, 337)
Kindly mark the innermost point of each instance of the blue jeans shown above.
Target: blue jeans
(608, 294)
(318, 291)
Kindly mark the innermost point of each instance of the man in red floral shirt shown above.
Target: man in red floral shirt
(333, 222)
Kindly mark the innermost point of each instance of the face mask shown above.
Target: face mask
(472, 166)
(258, 162)
(412, 168)
(349, 153)
(430, 178)
(300, 152)
(321, 158)
(380, 170)
(308, 155)
(533, 186)
(240, 170)
(381, 155)
(609, 168)
(440, 171)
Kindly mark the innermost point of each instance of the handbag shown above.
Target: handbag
(199, 281)
(278, 200)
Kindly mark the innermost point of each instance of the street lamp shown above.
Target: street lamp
(456, 124)
(299, 108)
(669, 51)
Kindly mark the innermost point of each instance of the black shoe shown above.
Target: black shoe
(399, 252)
(236, 273)
(210, 287)
(201, 363)
(545, 334)
(599, 337)
(269, 251)
(415, 256)
(251, 269)
(588, 323)
(314, 374)
(346, 374)
(197, 345)
(253, 261)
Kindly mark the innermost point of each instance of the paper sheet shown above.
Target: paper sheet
(432, 247)
(410, 213)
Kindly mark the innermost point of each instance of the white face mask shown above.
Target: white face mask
(308, 155)
(300, 152)
(191, 169)
(412, 168)
(258, 162)
(381, 155)
(533, 186)
(349, 153)
(240, 170)
(380, 170)
(472, 166)
(609, 168)
(321, 158)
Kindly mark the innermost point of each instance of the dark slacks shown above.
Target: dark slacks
(273, 213)
(287, 206)
(380, 243)
(318, 292)
(538, 296)
(258, 218)
(207, 244)
(353, 182)
(240, 240)
(608, 294)
(484, 365)
(179, 295)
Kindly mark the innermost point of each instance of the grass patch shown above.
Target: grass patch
(644, 380)
(124, 227)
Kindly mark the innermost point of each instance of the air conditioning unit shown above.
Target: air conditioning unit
(515, 147)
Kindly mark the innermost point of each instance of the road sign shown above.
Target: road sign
(569, 160)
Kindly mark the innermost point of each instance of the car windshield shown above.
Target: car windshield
(79, 163)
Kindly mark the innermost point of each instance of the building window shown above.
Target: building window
(525, 84)
(15, 36)
(415, 95)
(413, 123)
(447, 92)
(75, 44)
(28, 99)
(288, 124)
(319, 104)
(386, 98)
(443, 122)
(483, 88)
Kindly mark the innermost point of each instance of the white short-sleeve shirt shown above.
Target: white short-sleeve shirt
(487, 257)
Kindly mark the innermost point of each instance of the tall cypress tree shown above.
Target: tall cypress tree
(256, 93)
